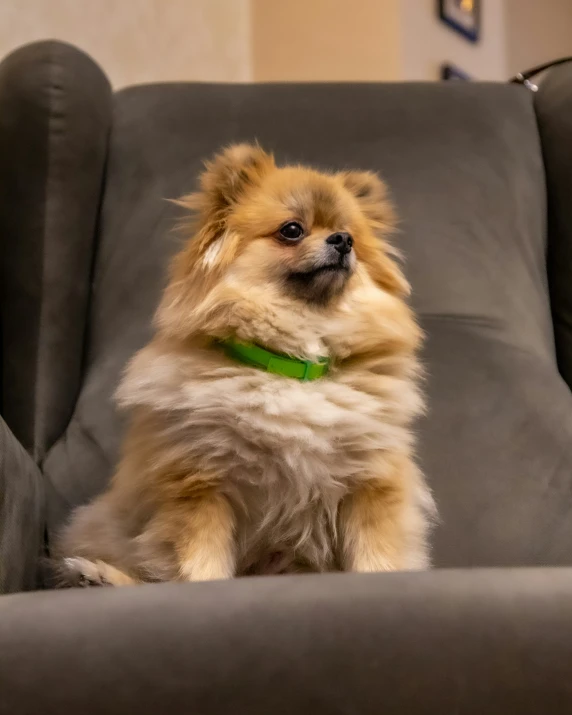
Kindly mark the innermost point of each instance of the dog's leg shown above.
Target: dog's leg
(382, 524)
(205, 546)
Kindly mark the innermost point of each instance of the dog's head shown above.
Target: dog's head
(291, 234)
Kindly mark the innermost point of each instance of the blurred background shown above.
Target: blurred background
(139, 41)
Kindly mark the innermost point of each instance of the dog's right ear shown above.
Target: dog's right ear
(212, 245)
(231, 173)
(225, 179)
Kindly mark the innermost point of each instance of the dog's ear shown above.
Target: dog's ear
(371, 194)
(231, 173)
(212, 245)
(225, 179)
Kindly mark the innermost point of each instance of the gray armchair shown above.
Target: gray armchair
(482, 177)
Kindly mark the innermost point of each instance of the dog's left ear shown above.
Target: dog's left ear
(371, 194)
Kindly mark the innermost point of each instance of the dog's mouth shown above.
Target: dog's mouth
(342, 265)
(320, 283)
(329, 268)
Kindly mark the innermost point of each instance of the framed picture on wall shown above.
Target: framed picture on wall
(451, 72)
(463, 16)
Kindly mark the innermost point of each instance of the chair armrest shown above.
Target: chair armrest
(470, 642)
(553, 106)
(22, 512)
(55, 119)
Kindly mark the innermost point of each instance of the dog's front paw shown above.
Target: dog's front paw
(373, 563)
(205, 570)
(83, 573)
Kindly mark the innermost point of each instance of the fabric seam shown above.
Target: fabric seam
(40, 416)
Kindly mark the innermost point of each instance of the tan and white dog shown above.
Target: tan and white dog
(233, 463)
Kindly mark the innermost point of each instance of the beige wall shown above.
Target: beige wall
(140, 40)
(537, 31)
(427, 42)
(308, 40)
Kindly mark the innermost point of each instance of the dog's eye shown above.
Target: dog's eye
(292, 231)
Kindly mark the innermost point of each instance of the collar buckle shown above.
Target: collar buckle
(307, 369)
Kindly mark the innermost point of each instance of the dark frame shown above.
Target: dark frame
(450, 72)
(471, 35)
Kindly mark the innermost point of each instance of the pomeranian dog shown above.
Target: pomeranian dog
(270, 416)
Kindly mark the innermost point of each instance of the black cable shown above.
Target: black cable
(524, 77)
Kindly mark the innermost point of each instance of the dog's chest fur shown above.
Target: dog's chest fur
(285, 452)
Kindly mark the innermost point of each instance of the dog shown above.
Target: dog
(271, 414)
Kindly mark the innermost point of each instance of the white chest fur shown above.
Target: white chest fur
(286, 451)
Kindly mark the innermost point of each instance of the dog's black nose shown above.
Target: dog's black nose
(341, 241)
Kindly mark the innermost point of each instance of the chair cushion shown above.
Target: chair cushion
(457, 641)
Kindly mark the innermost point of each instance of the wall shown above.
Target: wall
(321, 40)
(139, 41)
(537, 31)
(427, 42)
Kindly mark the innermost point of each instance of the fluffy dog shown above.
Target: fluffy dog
(234, 463)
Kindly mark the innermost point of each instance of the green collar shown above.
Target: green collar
(276, 363)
